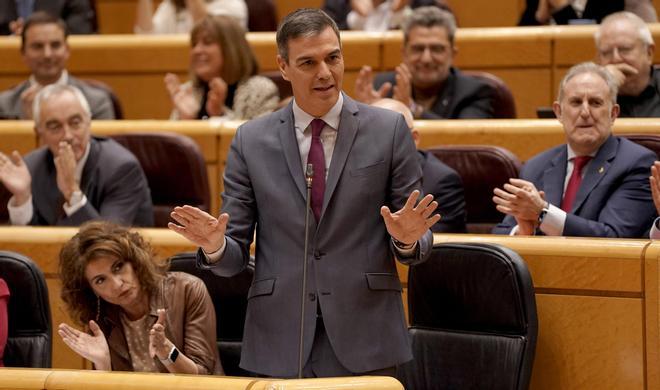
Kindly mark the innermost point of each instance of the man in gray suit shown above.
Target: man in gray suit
(74, 177)
(45, 51)
(354, 322)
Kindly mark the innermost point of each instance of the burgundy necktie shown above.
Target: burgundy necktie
(574, 182)
(316, 157)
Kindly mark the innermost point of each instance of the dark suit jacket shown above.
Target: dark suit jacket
(614, 199)
(595, 9)
(112, 180)
(99, 101)
(461, 97)
(446, 187)
(78, 14)
(352, 275)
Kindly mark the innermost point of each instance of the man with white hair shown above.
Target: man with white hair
(74, 177)
(625, 47)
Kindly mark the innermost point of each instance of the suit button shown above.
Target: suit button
(312, 297)
(318, 255)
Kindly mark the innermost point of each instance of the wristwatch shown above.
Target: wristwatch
(543, 213)
(401, 245)
(171, 357)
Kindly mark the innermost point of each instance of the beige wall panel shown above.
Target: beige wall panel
(284, 7)
(652, 315)
(65, 357)
(214, 185)
(531, 88)
(485, 13)
(589, 343)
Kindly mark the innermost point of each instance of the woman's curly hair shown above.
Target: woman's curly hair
(103, 239)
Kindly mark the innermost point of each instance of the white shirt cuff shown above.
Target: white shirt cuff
(69, 210)
(214, 257)
(553, 222)
(655, 230)
(20, 215)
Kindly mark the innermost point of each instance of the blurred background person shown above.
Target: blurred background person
(223, 71)
(179, 16)
(541, 12)
(374, 15)
(78, 15)
(438, 179)
(139, 317)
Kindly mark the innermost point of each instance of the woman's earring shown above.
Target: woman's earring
(98, 308)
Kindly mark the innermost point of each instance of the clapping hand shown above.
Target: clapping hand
(159, 345)
(92, 347)
(182, 97)
(15, 175)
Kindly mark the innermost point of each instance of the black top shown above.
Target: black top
(646, 104)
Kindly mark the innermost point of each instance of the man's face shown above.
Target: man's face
(62, 118)
(315, 69)
(429, 55)
(586, 112)
(45, 52)
(620, 44)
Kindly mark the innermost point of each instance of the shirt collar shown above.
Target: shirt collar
(331, 118)
(63, 80)
(572, 154)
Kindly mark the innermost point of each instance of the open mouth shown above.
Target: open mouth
(324, 89)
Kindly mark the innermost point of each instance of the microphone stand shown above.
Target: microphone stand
(309, 176)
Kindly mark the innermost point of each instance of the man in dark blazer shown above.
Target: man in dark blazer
(45, 51)
(353, 322)
(438, 179)
(74, 177)
(78, 14)
(426, 81)
(594, 186)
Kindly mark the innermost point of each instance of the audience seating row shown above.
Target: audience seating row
(531, 60)
(598, 302)
(42, 379)
(485, 153)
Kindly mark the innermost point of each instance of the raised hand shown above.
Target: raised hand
(215, 101)
(92, 347)
(65, 164)
(200, 227)
(403, 87)
(182, 97)
(411, 222)
(364, 90)
(15, 175)
(655, 184)
(520, 199)
(159, 345)
(362, 7)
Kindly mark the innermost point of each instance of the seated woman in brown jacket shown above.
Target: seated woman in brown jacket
(139, 317)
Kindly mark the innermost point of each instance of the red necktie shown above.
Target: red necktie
(316, 157)
(574, 182)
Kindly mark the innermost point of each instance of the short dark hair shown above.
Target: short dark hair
(302, 22)
(428, 17)
(41, 17)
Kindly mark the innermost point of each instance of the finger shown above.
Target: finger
(192, 213)
(16, 158)
(162, 313)
(430, 209)
(433, 220)
(385, 89)
(423, 204)
(96, 330)
(412, 199)
(504, 209)
(503, 194)
(386, 214)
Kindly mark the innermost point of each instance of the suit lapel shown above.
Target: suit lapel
(348, 126)
(90, 167)
(286, 129)
(553, 178)
(50, 208)
(596, 171)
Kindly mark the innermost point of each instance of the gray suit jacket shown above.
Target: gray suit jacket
(112, 180)
(99, 101)
(351, 266)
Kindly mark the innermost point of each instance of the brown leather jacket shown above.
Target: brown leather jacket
(190, 324)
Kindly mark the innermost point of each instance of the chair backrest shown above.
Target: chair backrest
(30, 335)
(283, 86)
(5, 195)
(649, 141)
(229, 296)
(116, 103)
(175, 169)
(474, 322)
(482, 168)
(504, 105)
(262, 15)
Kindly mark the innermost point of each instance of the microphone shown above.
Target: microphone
(309, 177)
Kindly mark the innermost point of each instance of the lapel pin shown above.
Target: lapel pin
(601, 170)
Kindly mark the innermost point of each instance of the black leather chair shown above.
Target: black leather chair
(473, 320)
(229, 297)
(482, 168)
(175, 169)
(504, 105)
(649, 141)
(116, 103)
(30, 335)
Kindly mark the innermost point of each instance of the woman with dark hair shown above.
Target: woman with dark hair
(179, 16)
(139, 317)
(223, 72)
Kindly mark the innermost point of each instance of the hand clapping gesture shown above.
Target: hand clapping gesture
(15, 175)
(159, 345)
(182, 97)
(411, 222)
(92, 347)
